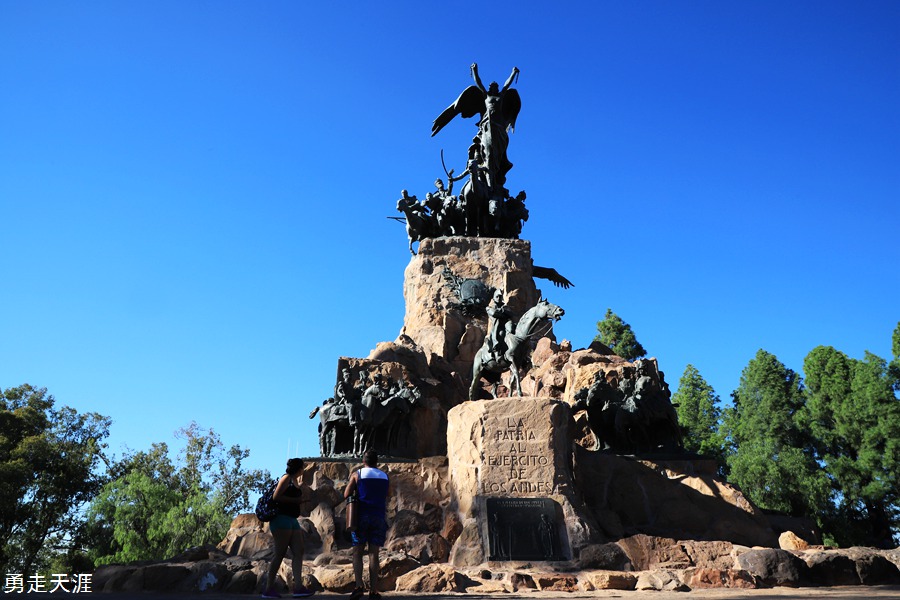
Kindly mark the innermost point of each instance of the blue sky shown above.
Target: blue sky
(193, 194)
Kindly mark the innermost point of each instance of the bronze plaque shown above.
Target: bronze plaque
(524, 529)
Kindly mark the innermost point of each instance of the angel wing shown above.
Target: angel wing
(512, 104)
(469, 104)
(551, 274)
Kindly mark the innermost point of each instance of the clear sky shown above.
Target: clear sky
(193, 194)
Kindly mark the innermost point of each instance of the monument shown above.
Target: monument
(535, 436)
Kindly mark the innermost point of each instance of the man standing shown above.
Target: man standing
(370, 485)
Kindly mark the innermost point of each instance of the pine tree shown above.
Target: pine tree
(699, 415)
(894, 367)
(769, 456)
(618, 336)
(853, 417)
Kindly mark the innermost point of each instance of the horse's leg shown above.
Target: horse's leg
(514, 379)
(476, 376)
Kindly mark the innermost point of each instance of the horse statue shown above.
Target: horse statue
(334, 417)
(515, 356)
(376, 413)
(418, 222)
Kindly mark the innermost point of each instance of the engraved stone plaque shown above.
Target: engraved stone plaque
(523, 529)
(509, 461)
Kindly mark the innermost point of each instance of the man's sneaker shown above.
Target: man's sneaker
(357, 593)
(271, 594)
(302, 591)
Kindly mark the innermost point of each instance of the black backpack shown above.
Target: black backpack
(266, 507)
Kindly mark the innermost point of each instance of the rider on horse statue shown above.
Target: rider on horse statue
(501, 323)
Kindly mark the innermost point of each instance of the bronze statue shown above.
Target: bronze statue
(418, 221)
(498, 108)
(515, 345)
(500, 324)
(633, 414)
(484, 206)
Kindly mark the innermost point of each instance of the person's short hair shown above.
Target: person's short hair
(294, 465)
(370, 458)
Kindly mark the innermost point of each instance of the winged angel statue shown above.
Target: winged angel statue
(498, 108)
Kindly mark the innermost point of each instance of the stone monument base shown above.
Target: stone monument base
(514, 454)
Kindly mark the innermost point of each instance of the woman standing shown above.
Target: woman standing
(286, 530)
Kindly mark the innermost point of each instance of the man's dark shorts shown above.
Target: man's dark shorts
(372, 529)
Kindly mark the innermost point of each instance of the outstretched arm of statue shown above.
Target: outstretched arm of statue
(477, 78)
(451, 179)
(512, 77)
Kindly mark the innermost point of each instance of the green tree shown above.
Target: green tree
(699, 415)
(853, 416)
(769, 457)
(894, 367)
(154, 508)
(48, 470)
(618, 336)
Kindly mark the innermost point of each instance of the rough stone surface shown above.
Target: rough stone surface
(789, 540)
(660, 580)
(430, 319)
(468, 549)
(610, 557)
(607, 580)
(874, 566)
(647, 552)
(717, 555)
(708, 577)
(393, 566)
(429, 579)
(336, 578)
(556, 582)
(832, 568)
(661, 499)
(408, 522)
(771, 566)
(424, 548)
(522, 582)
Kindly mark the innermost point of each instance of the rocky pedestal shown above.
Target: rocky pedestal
(431, 319)
(512, 448)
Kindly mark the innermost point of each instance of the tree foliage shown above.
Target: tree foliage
(154, 508)
(894, 367)
(853, 416)
(770, 457)
(48, 471)
(618, 336)
(699, 415)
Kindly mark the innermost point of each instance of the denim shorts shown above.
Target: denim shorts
(284, 522)
(372, 529)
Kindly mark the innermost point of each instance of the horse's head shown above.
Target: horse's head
(549, 310)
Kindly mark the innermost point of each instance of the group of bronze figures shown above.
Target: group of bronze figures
(363, 408)
(631, 412)
(484, 207)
